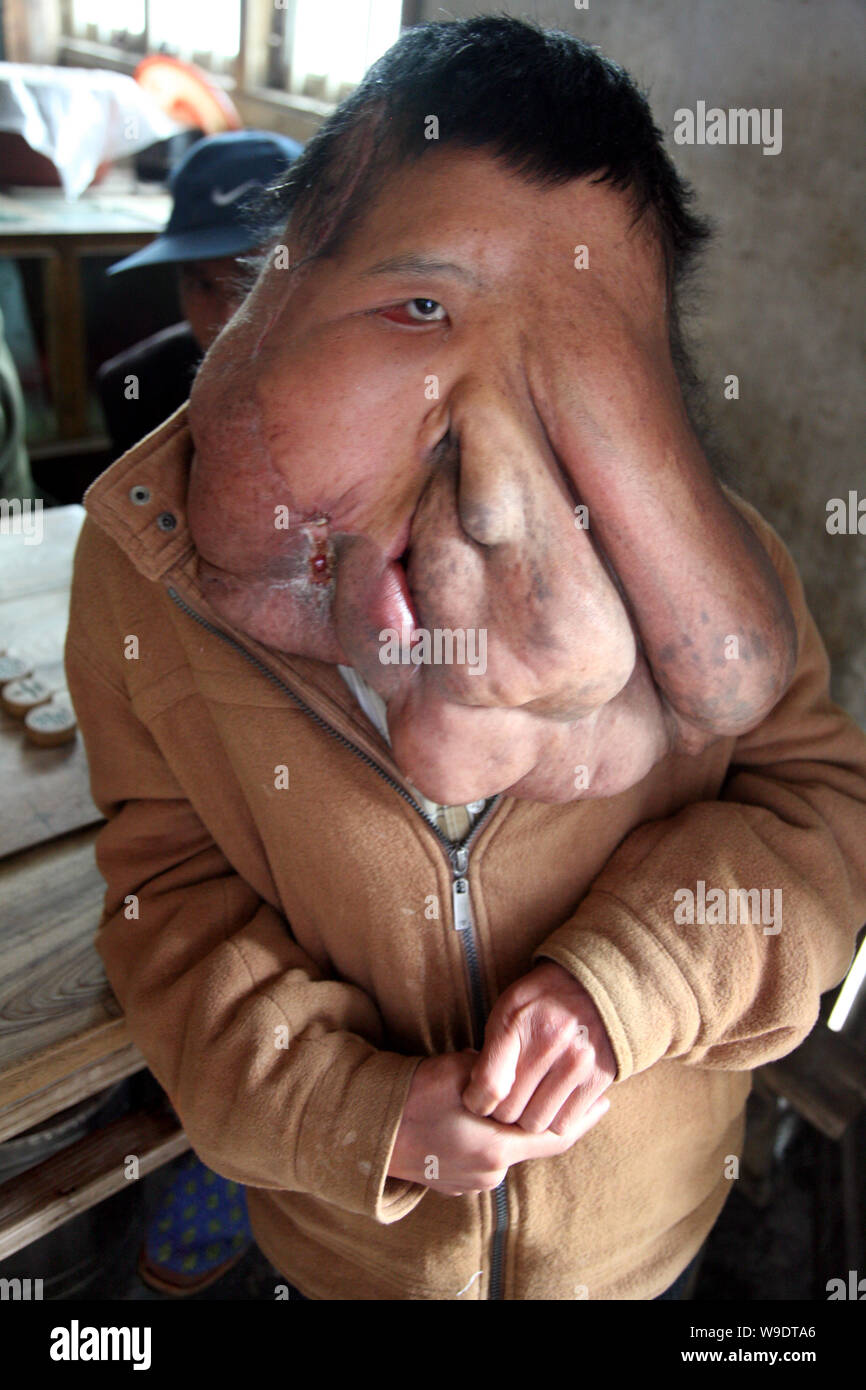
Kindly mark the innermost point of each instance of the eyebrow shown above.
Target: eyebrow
(414, 264)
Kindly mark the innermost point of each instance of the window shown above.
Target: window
(314, 49)
(168, 26)
(197, 32)
(322, 48)
(117, 22)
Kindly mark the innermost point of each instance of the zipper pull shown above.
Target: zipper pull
(461, 904)
(460, 899)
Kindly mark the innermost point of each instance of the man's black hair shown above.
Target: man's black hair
(546, 103)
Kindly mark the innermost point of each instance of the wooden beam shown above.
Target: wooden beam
(57, 1010)
(61, 1060)
(84, 1174)
(69, 1090)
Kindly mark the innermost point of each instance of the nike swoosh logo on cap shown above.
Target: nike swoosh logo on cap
(222, 199)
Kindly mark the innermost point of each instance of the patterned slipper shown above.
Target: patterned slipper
(199, 1230)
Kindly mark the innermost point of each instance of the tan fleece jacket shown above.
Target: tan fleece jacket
(286, 954)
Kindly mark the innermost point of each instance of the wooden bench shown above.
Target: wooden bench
(62, 1033)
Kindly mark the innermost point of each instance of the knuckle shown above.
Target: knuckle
(501, 1014)
(501, 1020)
(583, 1068)
(488, 1091)
(546, 1030)
(533, 1124)
(580, 1047)
(485, 1079)
(521, 1014)
(492, 1155)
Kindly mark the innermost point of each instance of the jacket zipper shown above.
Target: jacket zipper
(458, 856)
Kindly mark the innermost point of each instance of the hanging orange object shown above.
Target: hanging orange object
(188, 94)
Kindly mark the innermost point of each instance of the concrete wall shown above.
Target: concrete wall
(782, 305)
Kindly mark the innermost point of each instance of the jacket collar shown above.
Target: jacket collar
(140, 502)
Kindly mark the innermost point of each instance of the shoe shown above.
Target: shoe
(182, 1285)
(199, 1231)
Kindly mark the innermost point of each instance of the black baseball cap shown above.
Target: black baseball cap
(211, 187)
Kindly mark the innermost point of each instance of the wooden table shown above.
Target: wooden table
(62, 1033)
(41, 222)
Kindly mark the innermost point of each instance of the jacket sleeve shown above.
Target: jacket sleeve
(791, 816)
(275, 1072)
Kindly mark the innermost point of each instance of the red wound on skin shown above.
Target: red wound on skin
(320, 566)
(316, 533)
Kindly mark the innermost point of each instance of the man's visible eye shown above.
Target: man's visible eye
(415, 311)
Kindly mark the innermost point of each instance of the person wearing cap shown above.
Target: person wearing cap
(212, 225)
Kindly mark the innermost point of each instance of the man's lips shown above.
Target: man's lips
(400, 544)
(389, 603)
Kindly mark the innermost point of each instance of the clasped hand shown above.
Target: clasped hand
(534, 1089)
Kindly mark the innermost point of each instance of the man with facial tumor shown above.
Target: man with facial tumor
(506, 1068)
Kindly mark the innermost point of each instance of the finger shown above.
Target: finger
(521, 1145)
(532, 1072)
(540, 1057)
(493, 1074)
(572, 1078)
(573, 1116)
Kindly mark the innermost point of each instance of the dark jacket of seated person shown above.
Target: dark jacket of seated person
(141, 387)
